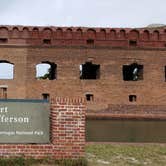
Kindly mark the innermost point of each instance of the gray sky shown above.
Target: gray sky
(95, 13)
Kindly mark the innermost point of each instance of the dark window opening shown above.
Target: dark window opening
(46, 70)
(89, 97)
(3, 40)
(3, 93)
(46, 96)
(89, 71)
(47, 41)
(133, 43)
(90, 42)
(132, 98)
(133, 72)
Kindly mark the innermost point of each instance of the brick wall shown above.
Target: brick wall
(69, 49)
(148, 112)
(110, 86)
(67, 133)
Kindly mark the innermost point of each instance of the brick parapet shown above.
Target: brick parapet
(67, 134)
(78, 36)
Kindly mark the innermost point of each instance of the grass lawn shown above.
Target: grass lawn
(126, 154)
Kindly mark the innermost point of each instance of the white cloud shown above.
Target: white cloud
(114, 13)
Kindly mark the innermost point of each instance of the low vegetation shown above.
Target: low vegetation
(126, 155)
(105, 155)
(43, 162)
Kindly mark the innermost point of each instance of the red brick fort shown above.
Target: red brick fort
(114, 69)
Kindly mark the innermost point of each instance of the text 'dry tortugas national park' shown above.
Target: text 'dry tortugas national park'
(51, 78)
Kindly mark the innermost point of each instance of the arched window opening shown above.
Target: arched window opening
(156, 35)
(59, 33)
(25, 33)
(122, 34)
(103, 33)
(47, 33)
(69, 33)
(6, 70)
(79, 33)
(4, 32)
(133, 35)
(91, 33)
(3, 35)
(35, 32)
(113, 34)
(15, 33)
(146, 35)
(89, 71)
(133, 72)
(46, 70)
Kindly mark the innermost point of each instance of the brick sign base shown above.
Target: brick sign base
(67, 134)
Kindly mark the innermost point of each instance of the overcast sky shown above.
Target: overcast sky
(95, 13)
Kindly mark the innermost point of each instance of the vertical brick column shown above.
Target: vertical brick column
(68, 127)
